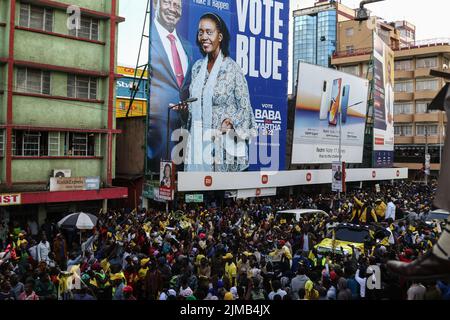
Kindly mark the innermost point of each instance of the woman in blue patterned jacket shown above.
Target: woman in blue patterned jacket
(221, 121)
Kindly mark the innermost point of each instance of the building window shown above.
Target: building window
(403, 108)
(426, 129)
(351, 70)
(2, 142)
(403, 130)
(404, 65)
(36, 17)
(54, 144)
(350, 49)
(88, 29)
(29, 143)
(33, 81)
(422, 107)
(430, 62)
(81, 87)
(349, 32)
(424, 85)
(403, 86)
(80, 144)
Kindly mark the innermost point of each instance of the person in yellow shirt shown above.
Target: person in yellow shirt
(230, 268)
(380, 209)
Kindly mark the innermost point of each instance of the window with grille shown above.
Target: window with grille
(88, 29)
(80, 144)
(81, 87)
(33, 81)
(53, 144)
(31, 141)
(424, 85)
(430, 62)
(36, 17)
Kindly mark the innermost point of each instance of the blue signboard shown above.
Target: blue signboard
(232, 56)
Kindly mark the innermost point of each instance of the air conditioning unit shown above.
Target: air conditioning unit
(62, 173)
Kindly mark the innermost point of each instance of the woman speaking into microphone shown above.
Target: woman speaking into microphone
(221, 121)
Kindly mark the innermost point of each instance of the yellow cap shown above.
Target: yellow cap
(228, 296)
(228, 256)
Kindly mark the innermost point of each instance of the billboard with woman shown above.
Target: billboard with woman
(229, 58)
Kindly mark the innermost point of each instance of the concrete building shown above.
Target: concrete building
(57, 101)
(415, 128)
(130, 155)
(315, 33)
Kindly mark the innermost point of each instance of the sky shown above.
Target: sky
(431, 18)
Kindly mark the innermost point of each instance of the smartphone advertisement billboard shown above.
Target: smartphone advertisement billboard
(383, 97)
(330, 110)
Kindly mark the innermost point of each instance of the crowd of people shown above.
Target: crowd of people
(242, 251)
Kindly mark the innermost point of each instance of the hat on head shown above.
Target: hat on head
(228, 256)
(228, 296)
(116, 276)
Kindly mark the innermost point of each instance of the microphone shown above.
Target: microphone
(190, 100)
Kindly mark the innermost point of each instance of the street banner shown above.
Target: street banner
(236, 118)
(74, 183)
(338, 177)
(383, 97)
(330, 111)
(167, 180)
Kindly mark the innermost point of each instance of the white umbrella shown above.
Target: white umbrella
(80, 220)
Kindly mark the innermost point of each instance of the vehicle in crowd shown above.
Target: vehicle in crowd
(346, 236)
(296, 214)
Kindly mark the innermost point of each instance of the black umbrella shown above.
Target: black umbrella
(79, 220)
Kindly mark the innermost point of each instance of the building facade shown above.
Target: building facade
(57, 101)
(315, 33)
(417, 131)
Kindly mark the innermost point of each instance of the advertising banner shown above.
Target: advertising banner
(10, 199)
(193, 198)
(230, 59)
(74, 183)
(123, 93)
(255, 193)
(330, 111)
(337, 180)
(167, 180)
(383, 95)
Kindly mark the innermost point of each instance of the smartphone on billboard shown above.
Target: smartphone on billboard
(324, 102)
(335, 101)
(344, 103)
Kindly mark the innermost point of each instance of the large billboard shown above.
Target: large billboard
(230, 59)
(330, 116)
(383, 103)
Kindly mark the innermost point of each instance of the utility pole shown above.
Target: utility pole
(427, 156)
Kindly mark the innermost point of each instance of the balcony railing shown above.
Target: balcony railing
(425, 43)
(353, 52)
(404, 46)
